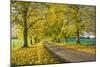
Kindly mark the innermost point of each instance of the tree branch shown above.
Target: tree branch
(33, 23)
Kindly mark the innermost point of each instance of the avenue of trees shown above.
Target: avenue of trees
(31, 20)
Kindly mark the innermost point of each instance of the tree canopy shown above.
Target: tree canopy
(51, 20)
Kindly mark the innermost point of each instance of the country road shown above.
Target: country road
(69, 55)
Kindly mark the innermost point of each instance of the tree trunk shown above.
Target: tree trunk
(25, 37)
(31, 40)
(78, 24)
(38, 40)
(58, 40)
(35, 39)
(65, 38)
(78, 37)
(25, 27)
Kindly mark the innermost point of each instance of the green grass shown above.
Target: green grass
(86, 41)
(18, 43)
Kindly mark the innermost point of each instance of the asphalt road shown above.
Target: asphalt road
(69, 55)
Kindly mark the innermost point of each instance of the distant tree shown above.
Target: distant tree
(85, 19)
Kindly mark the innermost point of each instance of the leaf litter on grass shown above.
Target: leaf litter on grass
(88, 49)
(35, 54)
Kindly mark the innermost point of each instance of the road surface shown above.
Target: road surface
(69, 55)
